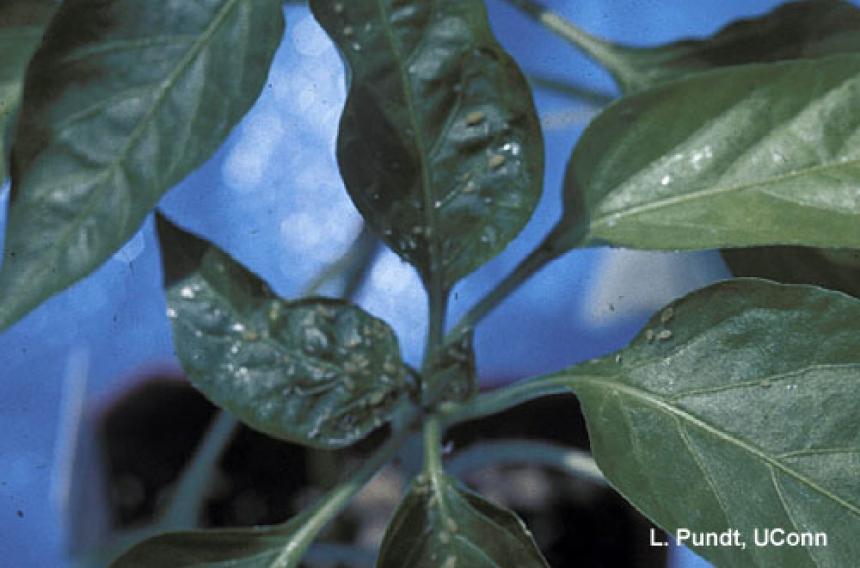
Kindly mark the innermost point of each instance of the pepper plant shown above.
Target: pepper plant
(735, 408)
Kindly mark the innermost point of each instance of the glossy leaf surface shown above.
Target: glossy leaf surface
(123, 99)
(319, 372)
(741, 156)
(445, 525)
(794, 30)
(21, 25)
(737, 408)
(263, 547)
(439, 144)
(833, 269)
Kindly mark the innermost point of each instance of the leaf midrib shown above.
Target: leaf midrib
(171, 80)
(420, 142)
(662, 405)
(603, 220)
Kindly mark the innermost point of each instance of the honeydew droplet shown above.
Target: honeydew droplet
(171, 313)
(665, 335)
(338, 8)
(187, 293)
(348, 31)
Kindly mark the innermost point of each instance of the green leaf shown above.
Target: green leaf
(741, 156)
(123, 100)
(795, 30)
(319, 372)
(737, 408)
(21, 25)
(260, 547)
(834, 269)
(440, 145)
(442, 524)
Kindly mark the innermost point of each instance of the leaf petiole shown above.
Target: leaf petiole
(573, 462)
(336, 500)
(601, 51)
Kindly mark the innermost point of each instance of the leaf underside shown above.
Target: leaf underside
(832, 269)
(121, 102)
(737, 409)
(442, 524)
(794, 30)
(319, 372)
(741, 156)
(439, 145)
(258, 547)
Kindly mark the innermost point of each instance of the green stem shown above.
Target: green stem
(433, 464)
(338, 498)
(195, 480)
(438, 300)
(351, 268)
(576, 463)
(601, 51)
(588, 95)
(533, 263)
(506, 398)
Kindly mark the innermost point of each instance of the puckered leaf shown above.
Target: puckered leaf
(444, 525)
(320, 372)
(122, 100)
(737, 408)
(439, 144)
(741, 156)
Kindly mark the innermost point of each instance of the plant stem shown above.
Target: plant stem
(433, 448)
(576, 463)
(533, 263)
(352, 267)
(196, 479)
(338, 498)
(601, 51)
(588, 95)
(505, 398)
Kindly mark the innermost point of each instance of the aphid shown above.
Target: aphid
(475, 118)
(496, 161)
(667, 315)
(649, 335)
(664, 335)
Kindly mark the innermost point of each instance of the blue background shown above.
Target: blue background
(273, 198)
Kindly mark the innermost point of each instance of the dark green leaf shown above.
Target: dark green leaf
(319, 372)
(122, 101)
(439, 144)
(737, 408)
(261, 547)
(741, 156)
(833, 269)
(444, 525)
(795, 30)
(21, 25)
